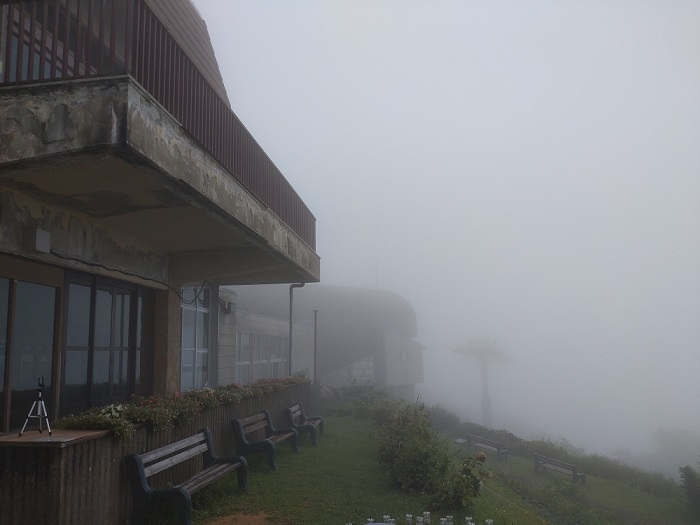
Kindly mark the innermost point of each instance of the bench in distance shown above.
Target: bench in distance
(487, 444)
(299, 421)
(545, 463)
(143, 466)
(248, 428)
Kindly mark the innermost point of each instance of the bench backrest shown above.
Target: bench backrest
(556, 462)
(479, 439)
(170, 455)
(252, 423)
(296, 411)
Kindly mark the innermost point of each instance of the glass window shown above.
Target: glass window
(102, 362)
(100, 374)
(260, 356)
(78, 330)
(32, 357)
(103, 318)
(244, 354)
(123, 303)
(202, 329)
(194, 368)
(188, 328)
(75, 389)
(75, 392)
(255, 349)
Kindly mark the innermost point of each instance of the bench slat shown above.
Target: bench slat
(277, 438)
(208, 475)
(174, 460)
(252, 419)
(254, 426)
(149, 457)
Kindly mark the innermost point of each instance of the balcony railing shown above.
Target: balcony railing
(47, 40)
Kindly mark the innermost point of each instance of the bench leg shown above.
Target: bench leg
(178, 498)
(243, 475)
(140, 512)
(271, 455)
(184, 506)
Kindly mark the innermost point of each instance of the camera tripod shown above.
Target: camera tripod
(41, 414)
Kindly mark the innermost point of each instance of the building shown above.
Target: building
(130, 193)
(361, 335)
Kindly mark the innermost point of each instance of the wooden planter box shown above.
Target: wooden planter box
(78, 477)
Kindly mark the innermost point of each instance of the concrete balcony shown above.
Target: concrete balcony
(96, 174)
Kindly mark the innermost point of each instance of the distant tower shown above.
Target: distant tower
(486, 352)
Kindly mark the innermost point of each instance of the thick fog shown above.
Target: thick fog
(522, 172)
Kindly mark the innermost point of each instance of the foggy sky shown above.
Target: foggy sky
(527, 172)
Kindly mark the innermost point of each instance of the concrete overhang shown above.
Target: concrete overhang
(105, 150)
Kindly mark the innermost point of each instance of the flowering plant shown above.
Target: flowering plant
(164, 411)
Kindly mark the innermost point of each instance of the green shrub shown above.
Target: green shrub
(418, 461)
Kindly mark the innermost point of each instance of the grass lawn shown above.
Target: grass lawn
(339, 481)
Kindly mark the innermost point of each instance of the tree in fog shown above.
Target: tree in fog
(690, 481)
(484, 351)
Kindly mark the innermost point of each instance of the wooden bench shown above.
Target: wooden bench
(249, 426)
(142, 466)
(545, 463)
(487, 444)
(302, 423)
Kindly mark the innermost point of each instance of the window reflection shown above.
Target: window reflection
(103, 355)
(194, 367)
(33, 347)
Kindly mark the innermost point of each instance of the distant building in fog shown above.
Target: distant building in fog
(363, 335)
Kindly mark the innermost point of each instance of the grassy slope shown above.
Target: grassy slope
(618, 501)
(341, 481)
(337, 482)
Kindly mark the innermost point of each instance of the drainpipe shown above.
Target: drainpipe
(291, 304)
(315, 345)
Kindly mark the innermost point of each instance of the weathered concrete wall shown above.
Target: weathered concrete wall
(57, 118)
(77, 235)
(46, 132)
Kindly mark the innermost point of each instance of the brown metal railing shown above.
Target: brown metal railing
(46, 40)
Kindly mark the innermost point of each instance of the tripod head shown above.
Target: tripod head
(41, 385)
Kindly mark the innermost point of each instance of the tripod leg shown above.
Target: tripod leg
(46, 417)
(27, 420)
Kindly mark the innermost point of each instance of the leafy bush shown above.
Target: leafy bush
(418, 461)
